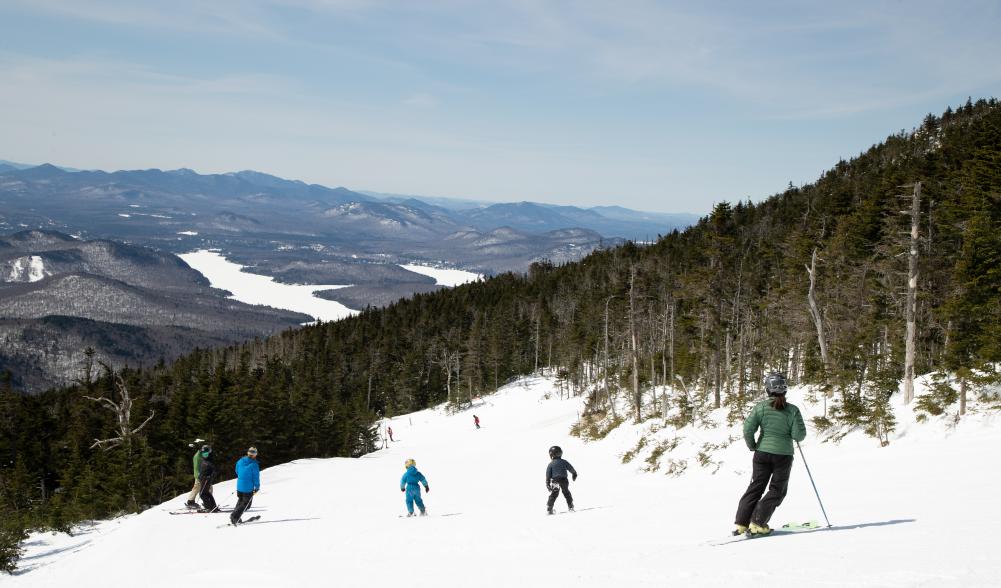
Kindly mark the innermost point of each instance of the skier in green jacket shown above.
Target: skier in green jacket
(196, 461)
(780, 424)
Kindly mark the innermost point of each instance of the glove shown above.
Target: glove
(549, 486)
(427, 489)
(575, 477)
(256, 490)
(403, 489)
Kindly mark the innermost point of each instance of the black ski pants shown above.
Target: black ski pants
(243, 501)
(754, 508)
(557, 485)
(208, 501)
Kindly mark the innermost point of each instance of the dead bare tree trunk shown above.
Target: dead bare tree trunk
(538, 321)
(123, 413)
(815, 311)
(632, 336)
(962, 396)
(126, 432)
(608, 393)
(912, 295)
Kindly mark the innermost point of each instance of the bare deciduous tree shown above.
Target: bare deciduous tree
(123, 412)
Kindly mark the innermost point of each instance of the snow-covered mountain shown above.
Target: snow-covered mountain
(131, 304)
(253, 215)
(914, 513)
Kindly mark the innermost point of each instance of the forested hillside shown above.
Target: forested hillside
(709, 310)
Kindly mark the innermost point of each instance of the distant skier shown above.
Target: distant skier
(389, 431)
(780, 424)
(206, 475)
(476, 421)
(196, 461)
(556, 478)
(248, 482)
(411, 484)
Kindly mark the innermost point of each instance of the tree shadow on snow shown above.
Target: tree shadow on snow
(35, 561)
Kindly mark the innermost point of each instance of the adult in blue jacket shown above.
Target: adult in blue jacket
(411, 484)
(248, 482)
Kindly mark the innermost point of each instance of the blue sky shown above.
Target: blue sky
(664, 106)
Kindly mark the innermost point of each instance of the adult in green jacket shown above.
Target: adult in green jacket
(780, 423)
(196, 461)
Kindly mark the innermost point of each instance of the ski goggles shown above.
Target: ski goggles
(252, 451)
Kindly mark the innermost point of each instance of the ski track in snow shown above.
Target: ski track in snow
(910, 514)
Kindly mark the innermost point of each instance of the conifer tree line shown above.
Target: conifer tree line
(811, 282)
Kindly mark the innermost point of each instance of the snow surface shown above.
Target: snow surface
(30, 268)
(189, 233)
(258, 289)
(444, 277)
(916, 513)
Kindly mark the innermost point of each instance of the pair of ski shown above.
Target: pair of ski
(241, 523)
(786, 529)
(448, 514)
(415, 515)
(187, 511)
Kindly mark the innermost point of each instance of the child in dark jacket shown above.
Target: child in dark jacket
(206, 475)
(411, 484)
(556, 478)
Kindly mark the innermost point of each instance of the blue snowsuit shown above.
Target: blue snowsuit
(411, 483)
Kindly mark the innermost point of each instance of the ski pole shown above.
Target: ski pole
(813, 484)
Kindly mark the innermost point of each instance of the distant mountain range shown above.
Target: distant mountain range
(115, 286)
(332, 210)
(60, 295)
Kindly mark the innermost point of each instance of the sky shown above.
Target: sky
(660, 106)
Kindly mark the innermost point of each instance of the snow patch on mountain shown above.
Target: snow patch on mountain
(29, 268)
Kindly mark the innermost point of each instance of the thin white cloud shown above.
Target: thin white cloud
(421, 100)
(247, 17)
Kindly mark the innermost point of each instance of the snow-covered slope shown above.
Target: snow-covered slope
(919, 512)
(26, 269)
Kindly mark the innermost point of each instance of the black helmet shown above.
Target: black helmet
(555, 452)
(206, 449)
(775, 384)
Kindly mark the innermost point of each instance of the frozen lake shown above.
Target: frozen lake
(258, 289)
(444, 277)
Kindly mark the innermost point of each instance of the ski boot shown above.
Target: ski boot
(410, 514)
(759, 530)
(740, 530)
(191, 504)
(424, 512)
(570, 506)
(550, 510)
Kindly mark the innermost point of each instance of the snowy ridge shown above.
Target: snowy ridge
(909, 514)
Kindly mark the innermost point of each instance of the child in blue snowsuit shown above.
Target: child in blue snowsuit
(411, 484)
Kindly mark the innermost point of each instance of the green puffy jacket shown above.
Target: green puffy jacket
(778, 428)
(197, 461)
